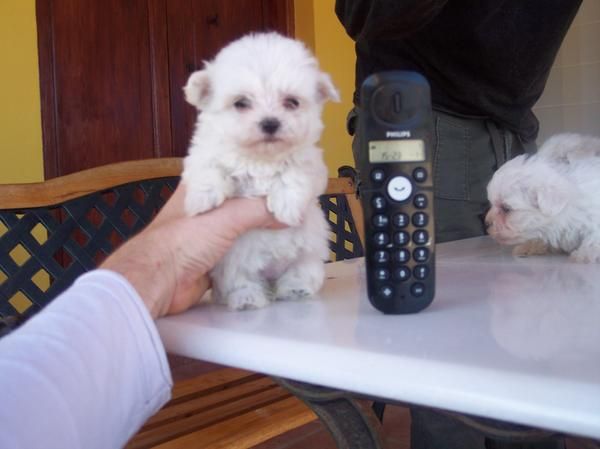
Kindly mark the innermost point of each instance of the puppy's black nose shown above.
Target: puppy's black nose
(270, 125)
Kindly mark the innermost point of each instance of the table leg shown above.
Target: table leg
(350, 421)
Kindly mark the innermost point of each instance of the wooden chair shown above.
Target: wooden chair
(53, 231)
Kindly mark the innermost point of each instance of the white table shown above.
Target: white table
(506, 338)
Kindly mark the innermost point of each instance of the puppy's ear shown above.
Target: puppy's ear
(552, 197)
(326, 90)
(197, 89)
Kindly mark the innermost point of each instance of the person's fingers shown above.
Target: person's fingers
(242, 214)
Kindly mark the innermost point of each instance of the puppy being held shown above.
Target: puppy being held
(548, 202)
(259, 120)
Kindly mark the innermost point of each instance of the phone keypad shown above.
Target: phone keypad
(401, 238)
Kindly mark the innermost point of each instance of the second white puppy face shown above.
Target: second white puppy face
(526, 197)
(262, 94)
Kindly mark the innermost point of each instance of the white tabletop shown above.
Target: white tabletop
(506, 338)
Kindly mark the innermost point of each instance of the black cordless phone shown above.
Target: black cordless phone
(396, 190)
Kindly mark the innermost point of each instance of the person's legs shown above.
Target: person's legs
(467, 152)
(464, 162)
(432, 430)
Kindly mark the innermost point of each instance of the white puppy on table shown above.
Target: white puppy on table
(550, 201)
(259, 120)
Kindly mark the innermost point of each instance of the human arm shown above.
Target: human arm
(89, 369)
(385, 19)
(86, 372)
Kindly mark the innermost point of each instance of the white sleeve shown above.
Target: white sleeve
(86, 372)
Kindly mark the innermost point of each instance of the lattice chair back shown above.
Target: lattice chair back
(344, 215)
(51, 232)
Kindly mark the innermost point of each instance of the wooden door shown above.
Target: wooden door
(112, 72)
(197, 30)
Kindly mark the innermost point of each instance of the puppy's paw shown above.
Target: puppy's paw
(586, 254)
(247, 297)
(301, 281)
(292, 294)
(531, 248)
(201, 198)
(285, 208)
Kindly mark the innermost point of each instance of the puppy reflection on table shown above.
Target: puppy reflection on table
(547, 312)
(259, 120)
(550, 201)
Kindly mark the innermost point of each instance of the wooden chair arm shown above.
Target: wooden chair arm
(64, 188)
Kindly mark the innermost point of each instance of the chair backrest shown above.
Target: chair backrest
(52, 232)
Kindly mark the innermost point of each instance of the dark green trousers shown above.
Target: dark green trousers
(466, 153)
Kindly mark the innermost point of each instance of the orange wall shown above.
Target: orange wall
(20, 121)
(21, 158)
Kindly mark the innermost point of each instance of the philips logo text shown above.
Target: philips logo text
(397, 134)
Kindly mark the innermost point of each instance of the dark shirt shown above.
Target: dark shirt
(485, 58)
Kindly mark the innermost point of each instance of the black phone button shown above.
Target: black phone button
(378, 202)
(381, 239)
(417, 289)
(420, 174)
(377, 175)
(380, 221)
(402, 256)
(400, 220)
(382, 274)
(420, 201)
(381, 256)
(421, 254)
(421, 272)
(420, 237)
(401, 238)
(420, 219)
(402, 274)
(386, 292)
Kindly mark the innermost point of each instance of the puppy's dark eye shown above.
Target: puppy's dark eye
(242, 104)
(291, 103)
(505, 208)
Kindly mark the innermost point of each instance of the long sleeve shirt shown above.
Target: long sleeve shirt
(484, 58)
(86, 372)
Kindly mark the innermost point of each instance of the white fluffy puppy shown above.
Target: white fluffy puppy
(259, 120)
(549, 202)
(567, 148)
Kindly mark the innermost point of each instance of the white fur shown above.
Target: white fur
(550, 202)
(256, 78)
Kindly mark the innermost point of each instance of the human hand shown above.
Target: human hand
(169, 261)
